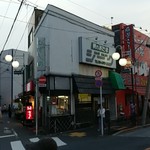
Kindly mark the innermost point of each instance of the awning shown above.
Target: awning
(139, 89)
(116, 80)
(86, 84)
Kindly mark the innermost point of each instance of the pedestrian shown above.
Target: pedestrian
(9, 111)
(43, 144)
(107, 120)
(101, 113)
(133, 113)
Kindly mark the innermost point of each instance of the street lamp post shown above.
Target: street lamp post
(15, 64)
(125, 62)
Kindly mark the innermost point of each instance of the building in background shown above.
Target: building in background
(133, 47)
(67, 50)
(12, 80)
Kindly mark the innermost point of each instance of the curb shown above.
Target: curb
(130, 129)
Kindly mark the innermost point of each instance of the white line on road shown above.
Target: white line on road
(15, 133)
(34, 139)
(5, 136)
(59, 142)
(17, 145)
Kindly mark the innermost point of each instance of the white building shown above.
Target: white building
(68, 50)
(11, 79)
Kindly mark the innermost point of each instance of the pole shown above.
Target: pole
(12, 81)
(36, 98)
(146, 100)
(132, 84)
(102, 128)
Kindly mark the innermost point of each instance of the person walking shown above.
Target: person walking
(9, 111)
(43, 144)
(101, 113)
(133, 113)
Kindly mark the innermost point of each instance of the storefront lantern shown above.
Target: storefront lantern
(29, 112)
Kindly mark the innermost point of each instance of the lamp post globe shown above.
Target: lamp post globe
(115, 56)
(122, 61)
(8, 58)
(15, 64)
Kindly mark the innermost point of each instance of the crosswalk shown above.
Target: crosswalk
(18, 145)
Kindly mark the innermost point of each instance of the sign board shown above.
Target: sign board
(29, 112)
(98, 73)
(18, 72)
(42, 81)
(93, 53)
(98, 79)
(98, 83)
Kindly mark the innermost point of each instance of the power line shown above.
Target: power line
(12, 26)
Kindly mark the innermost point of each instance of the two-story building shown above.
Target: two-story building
(69, 51)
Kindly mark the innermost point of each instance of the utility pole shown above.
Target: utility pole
(146, 100)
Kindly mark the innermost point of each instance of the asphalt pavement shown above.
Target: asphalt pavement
(13, 125)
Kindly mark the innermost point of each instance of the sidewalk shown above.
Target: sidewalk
(13, 126)
(13, 123)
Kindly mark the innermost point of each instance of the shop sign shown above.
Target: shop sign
(30, 86)
(94, 53)
(29, 112)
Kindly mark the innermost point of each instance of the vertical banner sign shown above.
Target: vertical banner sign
(129, 41)
(29, 112)
(41, 58)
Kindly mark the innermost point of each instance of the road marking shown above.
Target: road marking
(17, 145)
(58, 141)
(34, 139)
(15, 133)
(5, 136)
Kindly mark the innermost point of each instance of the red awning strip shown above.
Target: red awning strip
(139, 90)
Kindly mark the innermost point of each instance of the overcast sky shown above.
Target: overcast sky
(97, 11)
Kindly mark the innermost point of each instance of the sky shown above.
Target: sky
(102, 12)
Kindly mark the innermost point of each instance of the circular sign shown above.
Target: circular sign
(42, 79)
(98, 73)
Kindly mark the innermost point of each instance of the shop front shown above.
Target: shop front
(87, 98)
(72, 102)
(58, 106)
(135, 93)
(24, 105)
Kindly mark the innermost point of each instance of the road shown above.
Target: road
(13, 136)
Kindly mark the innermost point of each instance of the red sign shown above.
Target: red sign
(98, 73)
(29, 112)
(30, 86)
(98, 79)
(42, 80)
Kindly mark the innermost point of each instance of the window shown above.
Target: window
(58, 105)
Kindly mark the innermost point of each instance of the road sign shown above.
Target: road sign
(98, 83)
(42, 80)
(98, 73)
